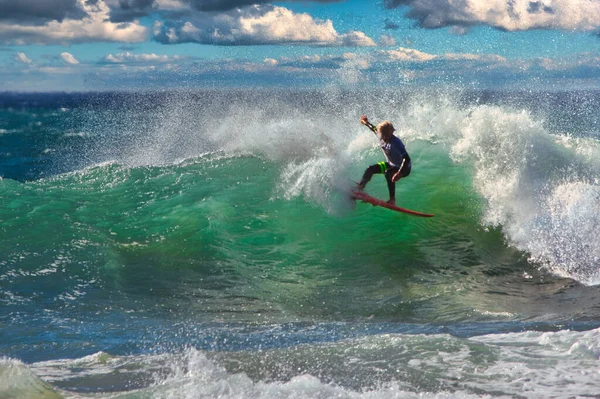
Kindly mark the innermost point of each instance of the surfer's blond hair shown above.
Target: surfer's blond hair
(386, 128)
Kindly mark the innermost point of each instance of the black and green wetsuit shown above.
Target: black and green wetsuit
(396, 157)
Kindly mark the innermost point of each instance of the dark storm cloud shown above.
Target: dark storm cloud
(39, 11)
(224, 5)
(396, 3)
(432, 14)
(127, 10)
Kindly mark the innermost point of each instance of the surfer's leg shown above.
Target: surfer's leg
(405, 170)
(369, 172)
(391, 185)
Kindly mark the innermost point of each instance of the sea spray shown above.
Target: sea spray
(523, 172)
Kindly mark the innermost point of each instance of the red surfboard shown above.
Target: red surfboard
(377, 202)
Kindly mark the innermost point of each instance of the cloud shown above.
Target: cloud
(68, 58)
(403, 54)
(39, 12)
(127, 10)
(413, 67)
(317, 61)
(221, 22)
(94, 26)
(406, 54)
(485, 58)
(355, 39)
(510, 15)
(224, 5)
(129, 58)
(130, 10)
(386, 40)
(21, 57)
(266, 24)
(390, 25)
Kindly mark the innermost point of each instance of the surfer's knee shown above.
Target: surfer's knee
(374, 169)
(370, 171)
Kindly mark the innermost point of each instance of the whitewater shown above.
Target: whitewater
(200, 244)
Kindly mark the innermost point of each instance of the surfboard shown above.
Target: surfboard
(364, 197)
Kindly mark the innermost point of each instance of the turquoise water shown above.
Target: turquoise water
(202, 244)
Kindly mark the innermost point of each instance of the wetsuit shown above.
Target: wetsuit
(395, 153)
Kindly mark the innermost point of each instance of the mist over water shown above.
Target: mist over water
(197, 244)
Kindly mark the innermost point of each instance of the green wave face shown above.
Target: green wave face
(221, 235)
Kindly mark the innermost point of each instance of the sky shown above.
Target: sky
(79, 45)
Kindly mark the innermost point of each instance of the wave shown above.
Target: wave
(17, 380)
(256, 187)
(534, 364)
(542, 189)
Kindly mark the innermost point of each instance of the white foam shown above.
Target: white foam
(559, 364)
(201, 378)
(319, 180)
(531, 364)
(542, 189)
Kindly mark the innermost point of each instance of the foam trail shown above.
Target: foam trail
(321, 181)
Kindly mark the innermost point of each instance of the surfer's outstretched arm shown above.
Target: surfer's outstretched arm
(365, 121)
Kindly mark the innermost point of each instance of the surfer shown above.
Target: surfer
(397, 164)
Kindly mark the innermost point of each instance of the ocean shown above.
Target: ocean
(201, 244)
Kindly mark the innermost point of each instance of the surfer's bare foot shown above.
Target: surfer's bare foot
(360, 187)
(392, 201)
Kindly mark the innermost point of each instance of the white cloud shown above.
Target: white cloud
(140, 70)
(356, 39)
(511, 15)
(69, 59)
(412, 55)
(257, 24)
(407, 54)
(473, 57)
(170, 4)
(94, 27)
(55, 70)
(386, 40)
(323, 62)
(21, 57)
(127, 57)
(585, 60)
